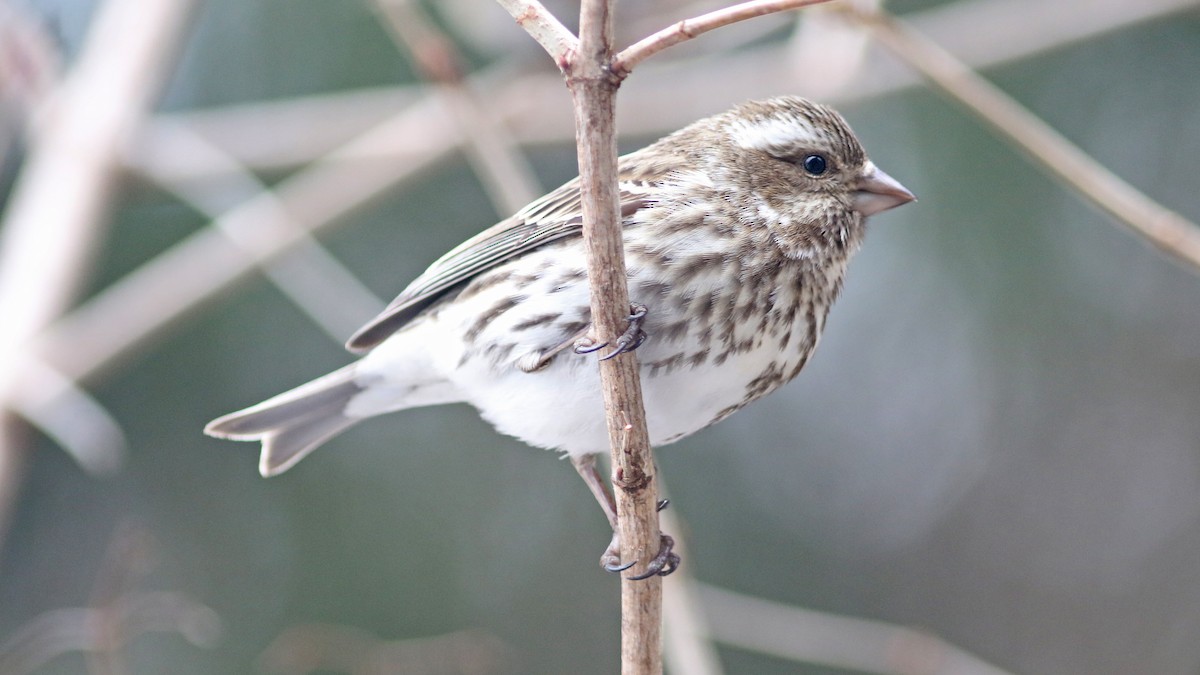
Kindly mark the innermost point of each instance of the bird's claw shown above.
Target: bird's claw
(631, 339)
(587, 345)
(617, 566)
(634, 336)
(663, 563)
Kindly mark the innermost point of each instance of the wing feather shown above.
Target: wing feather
(554, 216)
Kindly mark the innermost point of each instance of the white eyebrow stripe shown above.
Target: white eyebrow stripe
(773, 134)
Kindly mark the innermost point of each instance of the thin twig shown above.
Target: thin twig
(625, 61)
(1170, 232)
(593, 92)
(558, 41)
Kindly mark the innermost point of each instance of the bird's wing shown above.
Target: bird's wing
(554, 216)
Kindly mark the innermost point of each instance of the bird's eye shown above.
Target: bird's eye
(815, 164)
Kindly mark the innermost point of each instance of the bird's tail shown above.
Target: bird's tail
(294, 423)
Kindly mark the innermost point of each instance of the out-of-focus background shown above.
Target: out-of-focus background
(991, 465)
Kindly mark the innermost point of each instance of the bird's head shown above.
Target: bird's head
(796, 168)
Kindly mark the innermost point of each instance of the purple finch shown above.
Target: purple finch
(737, 231)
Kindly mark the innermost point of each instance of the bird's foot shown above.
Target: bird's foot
(631, 339)
(611, 560)
(663, 563)
(634, 336)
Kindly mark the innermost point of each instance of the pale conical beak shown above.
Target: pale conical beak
(878, 191)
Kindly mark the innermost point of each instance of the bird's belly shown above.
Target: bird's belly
(684, 400)
(561, 406)
(698, 365)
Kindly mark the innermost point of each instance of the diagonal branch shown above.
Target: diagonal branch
(625, 61)
(310, 276)
(544, 27)
(177, 281)
(1170, 232)
(58, 407)
(506, 175)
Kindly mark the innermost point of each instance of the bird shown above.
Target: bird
(737, 232)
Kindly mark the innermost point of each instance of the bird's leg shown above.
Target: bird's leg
(586, 467)
(663, 563)
(631, 339)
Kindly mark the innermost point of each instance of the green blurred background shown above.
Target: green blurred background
(998, 441)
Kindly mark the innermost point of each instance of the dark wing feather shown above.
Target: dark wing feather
(552, 217)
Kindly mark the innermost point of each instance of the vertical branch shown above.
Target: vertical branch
(593, 90)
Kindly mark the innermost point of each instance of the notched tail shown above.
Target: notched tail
(294, 423)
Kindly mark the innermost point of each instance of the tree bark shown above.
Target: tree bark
(593, 90)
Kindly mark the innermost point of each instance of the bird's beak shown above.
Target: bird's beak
(878, 191)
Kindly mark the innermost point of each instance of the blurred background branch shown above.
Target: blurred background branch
(193, 271)
(273, 177)
(505, 173)
(120, 612)
(169, 153)
(1170, 232)
(53, 215)
(30, 69)
(292, 132)
(309, 276)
